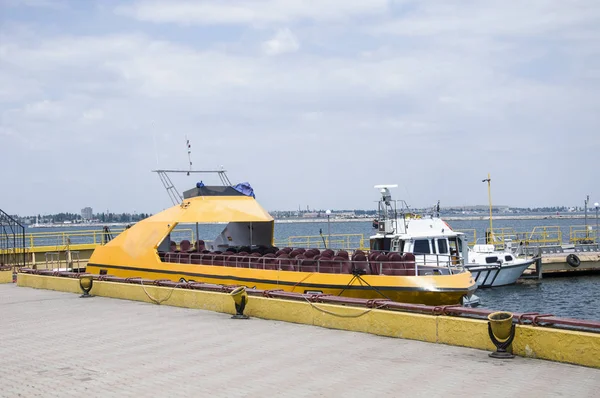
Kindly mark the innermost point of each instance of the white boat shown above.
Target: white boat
(434, 242)
(491, 267)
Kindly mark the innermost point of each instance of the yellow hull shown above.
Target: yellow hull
(430, 290)
(135, 253)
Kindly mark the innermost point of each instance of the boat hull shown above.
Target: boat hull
(429, 290)
(496, 275)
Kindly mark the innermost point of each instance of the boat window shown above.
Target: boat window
(453, 246)
(433, 248)
(508, 258)
(387, 244)
(165, 245)
(376, 244)
(421, 246)
(460, 243)
(401, 246)
(491, 260)
(442, 246)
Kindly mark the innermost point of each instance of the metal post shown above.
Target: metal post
(490, 235)
(586, 203)
(538, 263)
(328, 232)
(596, 205)
(328, 212)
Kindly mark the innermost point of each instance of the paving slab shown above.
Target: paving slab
(57, 344)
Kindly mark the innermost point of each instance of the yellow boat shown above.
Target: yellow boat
(243, 254)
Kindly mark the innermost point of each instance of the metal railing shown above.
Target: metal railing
(470, 234)
(95, 237)
(582, 234)
(542, 236)
(497, 236)
(539, 236)
(338, 241)
(422, 264)
(60, 239)
(12, 242)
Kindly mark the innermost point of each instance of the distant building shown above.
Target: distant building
(87, 213)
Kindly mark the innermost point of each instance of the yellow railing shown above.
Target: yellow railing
(583, 234)
(498, 236)
(471, 235)
(338, 241)
(59, 239)
(84, 237)
(541, 236)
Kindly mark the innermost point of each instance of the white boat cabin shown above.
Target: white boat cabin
(430, 238)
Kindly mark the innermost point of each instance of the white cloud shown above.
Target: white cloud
(245, 12)
(481, 17)
(56, 4)
(283, 42)
(435, 105)
(92, 115)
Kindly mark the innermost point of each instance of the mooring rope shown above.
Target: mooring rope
(341, 315)
(152, 298)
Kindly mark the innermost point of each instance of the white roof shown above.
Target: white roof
(421, 228)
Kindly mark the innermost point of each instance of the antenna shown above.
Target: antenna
(174, 194)
(387, 209)
(189, 151)
(385, 191)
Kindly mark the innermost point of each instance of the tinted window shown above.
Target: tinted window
(508, 258)
(442, 246)
(376, 244)
(491, 260)
(421, 246)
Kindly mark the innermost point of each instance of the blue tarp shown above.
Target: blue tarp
(245, 188)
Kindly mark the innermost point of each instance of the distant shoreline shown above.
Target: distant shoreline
(452, 218)
(591, 218)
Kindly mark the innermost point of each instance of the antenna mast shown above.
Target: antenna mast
(189, 151)
(174, 194)
(388, 214)
(491, 234)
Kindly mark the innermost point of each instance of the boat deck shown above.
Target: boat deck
(55, 343)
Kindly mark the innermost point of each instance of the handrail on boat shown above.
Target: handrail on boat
(338, 241)
(421, 264)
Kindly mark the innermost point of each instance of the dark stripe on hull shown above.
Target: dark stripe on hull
(478, 269)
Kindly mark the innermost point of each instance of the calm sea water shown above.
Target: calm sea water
(575, 297)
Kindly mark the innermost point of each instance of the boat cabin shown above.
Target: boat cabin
(428, 238)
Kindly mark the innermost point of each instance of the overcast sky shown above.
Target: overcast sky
(313, 102)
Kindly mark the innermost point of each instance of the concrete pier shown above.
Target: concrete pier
(56, 344)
